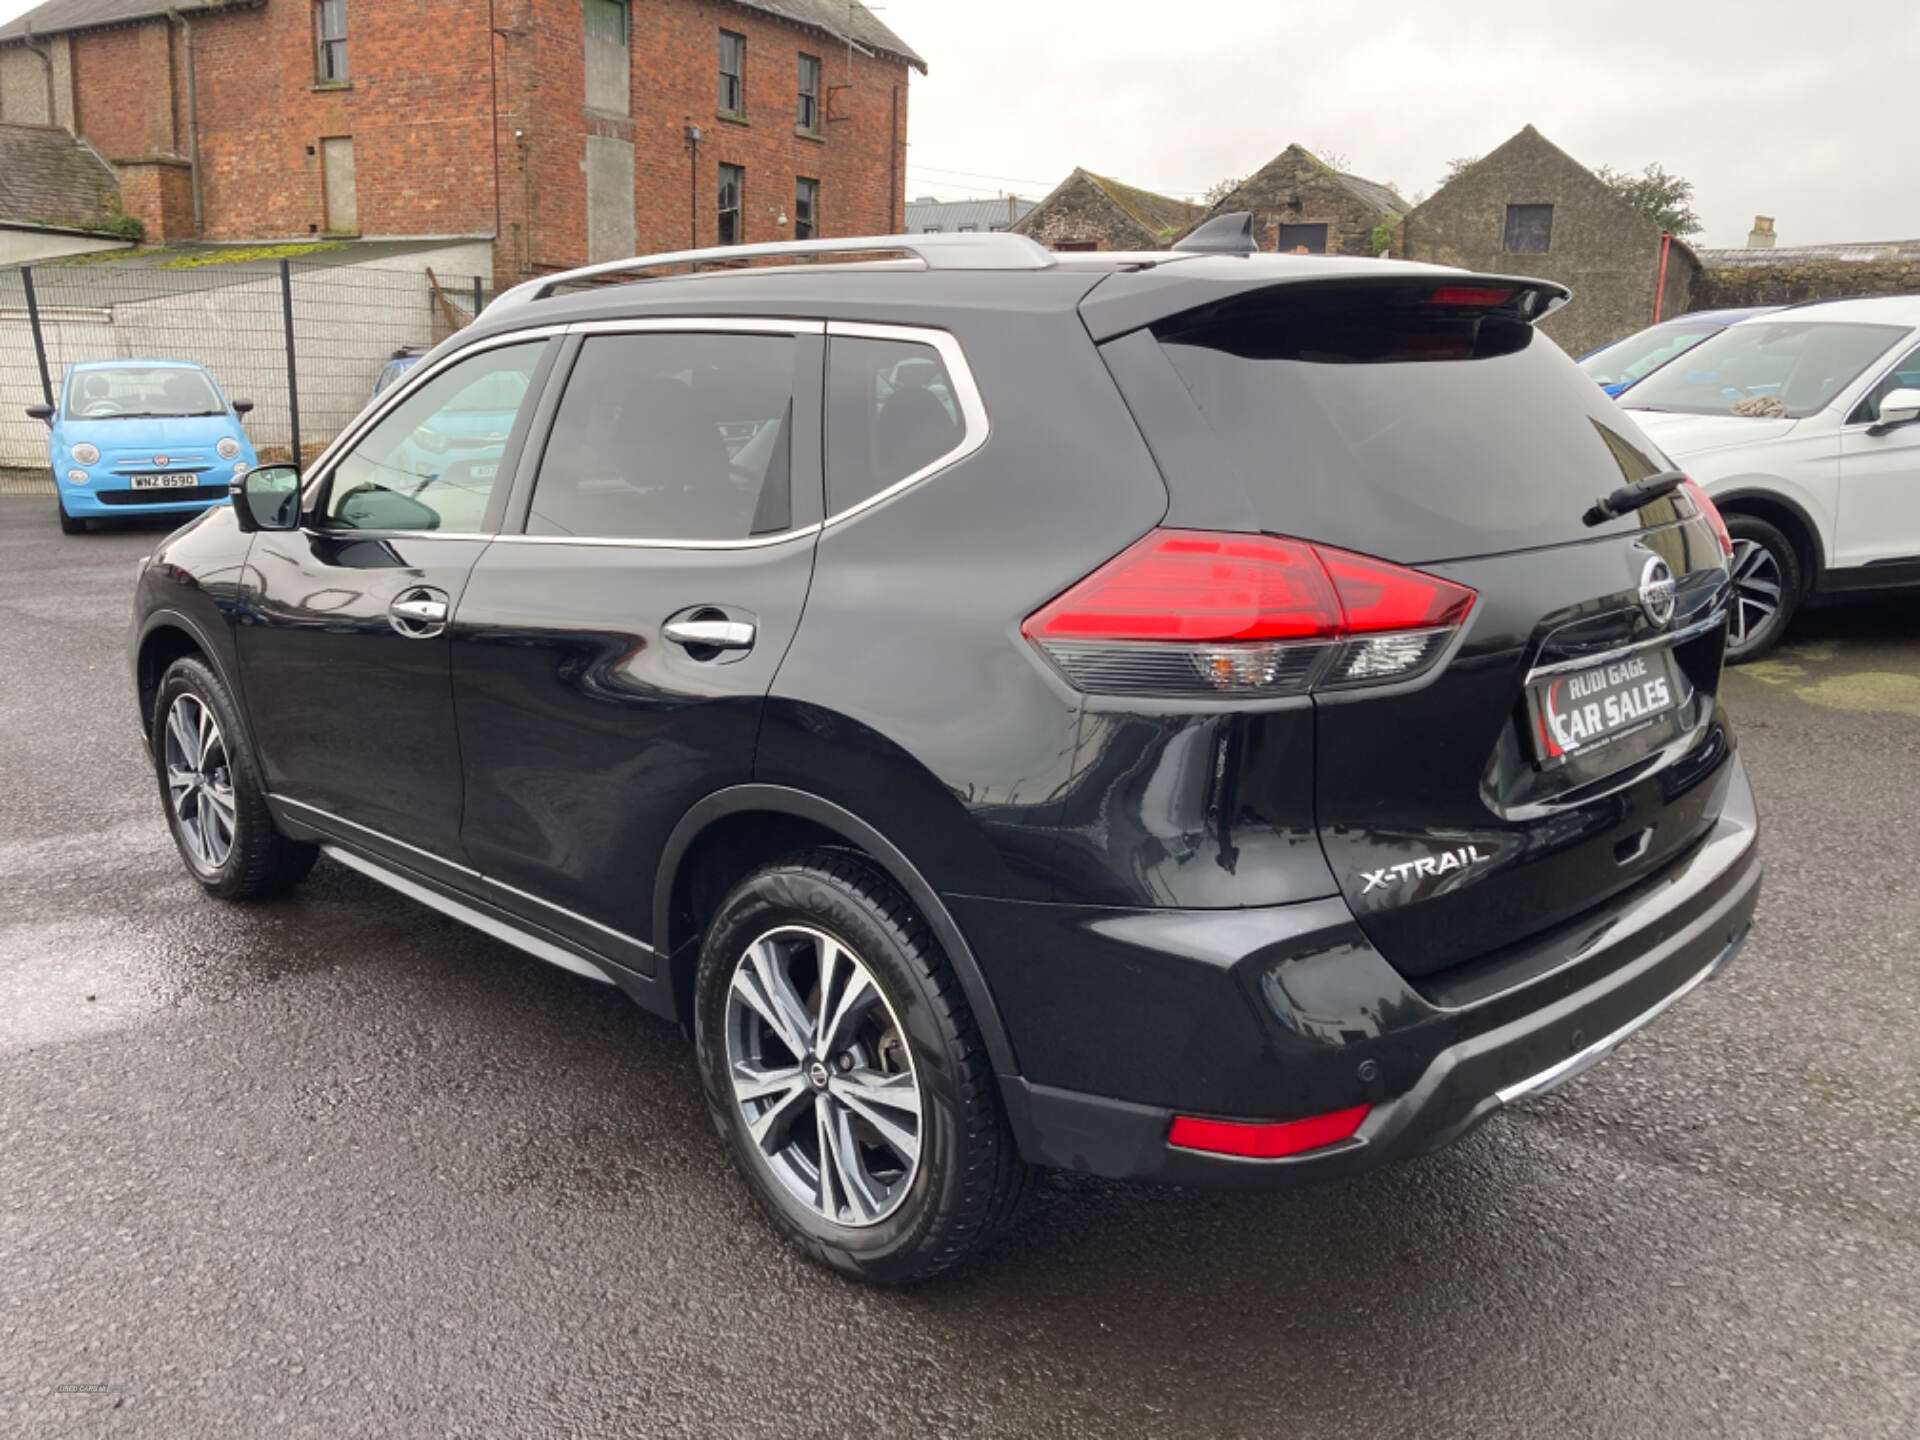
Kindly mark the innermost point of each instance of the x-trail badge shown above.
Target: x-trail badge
(1657, 590)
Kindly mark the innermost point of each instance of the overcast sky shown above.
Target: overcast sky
(1774, 108)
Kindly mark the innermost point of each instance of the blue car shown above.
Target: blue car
(1625, 363)
(142, 436)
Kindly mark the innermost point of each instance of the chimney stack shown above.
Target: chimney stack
(1761, 236)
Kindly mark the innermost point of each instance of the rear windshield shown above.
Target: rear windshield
(1766, 368)
(1410, 437)
(135, 393)
(1642, 354)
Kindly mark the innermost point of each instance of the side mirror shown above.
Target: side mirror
(41, 412)
(267, 499)
(1900, 407)
(241, 407)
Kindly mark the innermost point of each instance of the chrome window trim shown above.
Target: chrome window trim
(973, 410)
(966, 391)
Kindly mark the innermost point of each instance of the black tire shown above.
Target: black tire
(969, 1179)
(69, 524)
(1766, 571)
(258, 861)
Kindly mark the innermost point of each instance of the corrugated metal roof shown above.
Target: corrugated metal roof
(1794, 254)
(49, 178)
(844, 20)
(952, 215)
(60, 15)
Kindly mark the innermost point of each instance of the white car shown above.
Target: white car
(1804, 427)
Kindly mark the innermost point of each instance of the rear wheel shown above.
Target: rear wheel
(1766, 587)
(216, 806)
(846, 1075)
(69, 524)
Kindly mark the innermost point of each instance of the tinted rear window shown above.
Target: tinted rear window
(1402, 431)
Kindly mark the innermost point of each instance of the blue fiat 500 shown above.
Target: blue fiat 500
(142, 436)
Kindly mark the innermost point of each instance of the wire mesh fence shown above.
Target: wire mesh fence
(304, 341)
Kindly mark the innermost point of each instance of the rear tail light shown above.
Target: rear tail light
(1710, 513)
(1265, 1142)
(1197, 613)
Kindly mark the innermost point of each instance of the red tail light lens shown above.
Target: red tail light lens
(1265, 1142)
(1710, 512)
(1193, 612)
(1478, 297)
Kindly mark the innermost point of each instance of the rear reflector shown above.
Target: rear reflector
(1196, 612)
(1265, 1142)
(1710, 513)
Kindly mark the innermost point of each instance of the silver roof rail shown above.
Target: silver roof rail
(981, 250)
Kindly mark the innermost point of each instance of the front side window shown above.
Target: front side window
(1903, 376)
(432, 463)
(1767, 370)
(609, 69)
(806, 209)
(733, 73)
(1529, 229)
(330, 39)
(136, 393)
(733, 181)
(809, 114)
(891, 411)
(671, 437)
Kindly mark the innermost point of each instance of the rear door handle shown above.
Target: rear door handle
(710, 634)
(419, 613)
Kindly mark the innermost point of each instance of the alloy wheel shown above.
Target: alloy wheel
(1756, 592)
(200, 782)
(823, 1076)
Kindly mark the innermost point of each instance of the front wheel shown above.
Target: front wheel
(210, 786)
(1766, 587)
(846, 1075)
(69, 524)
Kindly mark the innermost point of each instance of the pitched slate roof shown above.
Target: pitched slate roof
(1159, 213)
(59, 15)
(842, 19)
(1859, 251)
(1380, 197)
(49, 178)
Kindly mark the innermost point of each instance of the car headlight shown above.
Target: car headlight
(86, 454)
(76, 477)
(228, 448)
(239, 468)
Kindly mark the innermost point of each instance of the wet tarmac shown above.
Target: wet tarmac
(335, 1166)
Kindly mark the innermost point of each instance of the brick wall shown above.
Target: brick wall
(417, 106)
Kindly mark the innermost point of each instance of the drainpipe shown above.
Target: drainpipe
(193, 118)
(1660, 290)
(46, 61)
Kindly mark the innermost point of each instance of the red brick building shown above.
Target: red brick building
(564, 130)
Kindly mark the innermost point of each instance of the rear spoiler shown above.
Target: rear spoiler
(1131, 300)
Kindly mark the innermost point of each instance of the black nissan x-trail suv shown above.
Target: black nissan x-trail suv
(1198, 716)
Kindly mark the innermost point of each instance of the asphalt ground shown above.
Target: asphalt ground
(335, 1166)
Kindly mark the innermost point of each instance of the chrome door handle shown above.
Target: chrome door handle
(418, 614)
(710, 634)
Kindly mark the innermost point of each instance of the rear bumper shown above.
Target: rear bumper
(1308, 1019)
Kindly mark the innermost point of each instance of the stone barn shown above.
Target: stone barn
(1529, 208)
(1090, 212)
(1301, 203)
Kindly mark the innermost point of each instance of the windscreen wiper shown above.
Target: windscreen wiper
(1632, 497)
